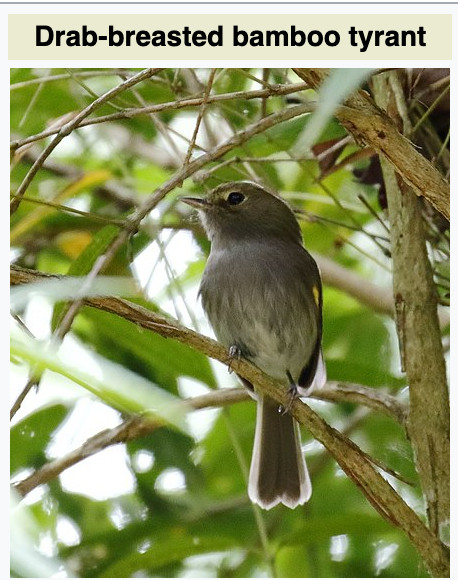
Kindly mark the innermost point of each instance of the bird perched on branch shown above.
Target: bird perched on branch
(261, 291)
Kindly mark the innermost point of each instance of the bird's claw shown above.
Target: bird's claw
(292, 394)
(234, 353)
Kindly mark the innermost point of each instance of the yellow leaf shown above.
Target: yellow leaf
(35, 216)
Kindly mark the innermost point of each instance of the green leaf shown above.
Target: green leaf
(160, 359)
(30, 437)
(84, 263)
(112, 383)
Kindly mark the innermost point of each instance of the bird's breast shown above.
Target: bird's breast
(261, 299)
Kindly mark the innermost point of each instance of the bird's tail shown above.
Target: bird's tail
(278, 472)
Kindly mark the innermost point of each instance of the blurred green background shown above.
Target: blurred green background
(174, 503)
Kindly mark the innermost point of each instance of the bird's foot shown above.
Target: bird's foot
(292, 394)
(235, 353)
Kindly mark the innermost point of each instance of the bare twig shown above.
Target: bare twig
(66, 76)
(66, 129)
(200, 116)
(31, 382)
(273, 90)
(133, 428)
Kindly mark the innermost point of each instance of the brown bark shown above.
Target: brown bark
(418, 326)
(370, 126)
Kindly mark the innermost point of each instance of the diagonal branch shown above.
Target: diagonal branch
(66, 129)
(132, 428)
(355, 463)
(369, 125)
(374, 399)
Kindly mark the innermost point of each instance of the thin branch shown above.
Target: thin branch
(139, 426)
(375, 399)
(31, 382)
(133, 428)
(67, 76)
(71, 210)
(335, 391)
(66, 129)
(272, 91)
(200, 115)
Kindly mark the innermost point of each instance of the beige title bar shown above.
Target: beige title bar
(230, 36)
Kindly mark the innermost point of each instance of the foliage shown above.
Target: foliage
(184, 510)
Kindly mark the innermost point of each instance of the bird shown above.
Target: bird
(262, 293)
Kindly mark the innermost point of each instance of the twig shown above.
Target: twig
(66, 76)
(368, 206)
(371, 126)
(31, 382)
(200, 116)
(67, 209)
(273, 90)
(66, 129)
(133, 428)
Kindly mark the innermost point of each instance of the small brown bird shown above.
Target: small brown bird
(261, 291)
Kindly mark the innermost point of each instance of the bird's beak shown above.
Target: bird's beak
(196, 202)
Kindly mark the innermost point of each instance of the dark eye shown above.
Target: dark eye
(234, 198)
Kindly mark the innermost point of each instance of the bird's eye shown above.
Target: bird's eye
(235, 197)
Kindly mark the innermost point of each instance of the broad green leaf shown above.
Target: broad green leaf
(160, 359)
(30, 436)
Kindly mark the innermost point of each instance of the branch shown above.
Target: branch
(139, 426)
(66, 129)
(272, 91)
(418, 327)
(133, 428)
(378, 299)
(371, 126)
(353, 461)
(335, 391)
